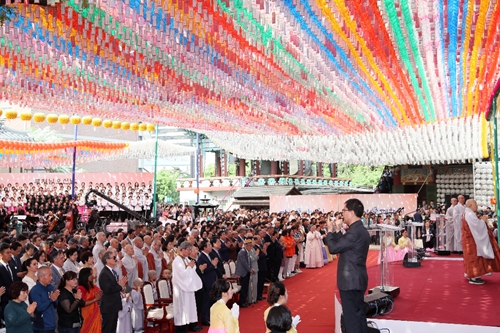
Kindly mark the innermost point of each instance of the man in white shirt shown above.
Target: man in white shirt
(450, 231)
(458, 211)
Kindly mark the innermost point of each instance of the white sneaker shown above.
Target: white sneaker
(281, 278)
(298, 271)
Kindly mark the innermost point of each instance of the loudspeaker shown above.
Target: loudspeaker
(409, 264)
(378, 303)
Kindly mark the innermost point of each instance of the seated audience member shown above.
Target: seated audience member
(279, 319)
(223, 319)
(278, 296)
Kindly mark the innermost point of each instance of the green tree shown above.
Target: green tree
(361, 175)
(166, 183)
(209, 170)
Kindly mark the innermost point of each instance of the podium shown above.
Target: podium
(441, 248)
(386, 279)
(412, 252)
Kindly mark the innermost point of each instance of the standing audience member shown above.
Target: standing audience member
(71, 263)
(7, 275)
(45, 297)
(57, 259)
(18, 314)
(450, 231)
(458, 211)
(222, 319)
(314, 252)
(137, 305)
(185, 282)
(111, 301)
(124, 324)
(91, 294)
(31, 267)
(69, 303)
(352, 278)
(254, 277)
(243, 270)
(208, 277)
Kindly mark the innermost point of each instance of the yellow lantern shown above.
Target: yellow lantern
(11, 114)
(151, 128)
(1, 111)
(63, 119)
(134, 126)
(39, 117)
(143, 127)
(26, 116)
(87, 120)
(76, 120)
(117, 124)
(52, 118)
(125, 126)
(96, 122)
(107, 123)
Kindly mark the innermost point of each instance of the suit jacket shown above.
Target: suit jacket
(6, 281)
(209, 275)
(224, 251)
(243, 266)
(262, 262)
(220, 266)
(56, 276)
(111, 300)
(353, 248)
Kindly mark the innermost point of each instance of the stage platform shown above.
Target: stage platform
(437, 298)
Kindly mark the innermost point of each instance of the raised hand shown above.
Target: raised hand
(54, 295)
(31, 308)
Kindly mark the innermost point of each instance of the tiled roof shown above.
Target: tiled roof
(7, 133)
(264, 192)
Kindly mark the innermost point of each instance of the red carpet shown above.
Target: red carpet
(438, 292)
(310, 295)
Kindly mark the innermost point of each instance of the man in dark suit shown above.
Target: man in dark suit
(216, 248)
(7, 274)
(111, 302)
(243, 270)
(224, 250)
(262, 264)
(208, 276)
(352, 278)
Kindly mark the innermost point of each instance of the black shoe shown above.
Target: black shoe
(244, 305)
(476, 281)
(205, 323)
(261, 298)
(194, 328)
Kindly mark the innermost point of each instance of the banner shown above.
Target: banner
(65, 178)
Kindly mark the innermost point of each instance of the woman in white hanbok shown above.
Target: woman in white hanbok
(314, 251)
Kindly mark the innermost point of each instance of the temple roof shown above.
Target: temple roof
(7, 133)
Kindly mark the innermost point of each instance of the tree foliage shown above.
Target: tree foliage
(166, 183)
(361, 175)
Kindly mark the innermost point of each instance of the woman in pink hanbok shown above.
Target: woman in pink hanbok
(313, 253)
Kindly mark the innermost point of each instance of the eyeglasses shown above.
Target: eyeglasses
(345, 210)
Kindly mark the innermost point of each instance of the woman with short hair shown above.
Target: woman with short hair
(17, 314)
(279, 319)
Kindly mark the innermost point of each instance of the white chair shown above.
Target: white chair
(156, 316)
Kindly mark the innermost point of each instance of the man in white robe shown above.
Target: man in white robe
(185, 282)
(130, 265)
(450, 231)
(458, 211)
(139, 254)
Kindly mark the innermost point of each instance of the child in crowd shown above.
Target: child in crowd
(137, 305)
(124, 317)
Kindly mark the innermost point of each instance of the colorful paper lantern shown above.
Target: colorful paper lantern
(76, 120)
(125, 126)
(151, 127)
(134, 126)
(52, 118)
(39, 117)
(26, 116)
(1, 112)
(87, 120)
(107, 123)
(11, 114)
(117, 124)
(143, 127)
(64, 119)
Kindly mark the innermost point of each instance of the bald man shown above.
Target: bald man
(458, 211)
(450, 231)
(481, 252)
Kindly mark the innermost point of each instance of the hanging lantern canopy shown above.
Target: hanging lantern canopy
(96, 122)
(52, 118)
(11, 114)
(39, 117)
(87, 120)
(134, 126)
(107, 123)
(117, 124)
(63, 119)
(26, 116)
(125, 126)
(151, 127)
(76, 120)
